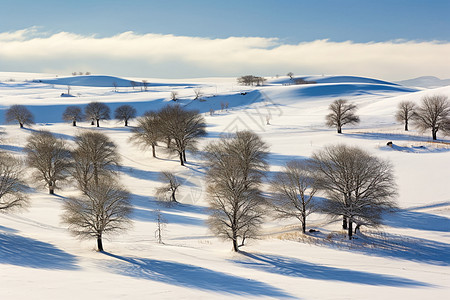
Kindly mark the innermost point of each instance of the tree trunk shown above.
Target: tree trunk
(74, 123)
(99, 243)
(21, 125)
(51, 189)
(184, 155)
(344, 222)
(406, 125)
(350, 229)
(434, 131)
(235, 245)
(173, 196)
(153, 150)
(303, 218)
(92, 122)
(126, 122)
(98, 122)
(181, 158)
(339, 129)
(168, 142)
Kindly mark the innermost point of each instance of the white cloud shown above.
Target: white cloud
(154, 55)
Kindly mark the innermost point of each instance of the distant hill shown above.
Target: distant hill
(425, 82)
(99, 81)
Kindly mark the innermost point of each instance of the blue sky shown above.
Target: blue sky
(291, 23)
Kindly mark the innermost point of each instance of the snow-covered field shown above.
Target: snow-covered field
(408, 258)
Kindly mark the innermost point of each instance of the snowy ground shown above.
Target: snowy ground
(408, 258)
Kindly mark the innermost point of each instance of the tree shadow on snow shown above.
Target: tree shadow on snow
(405, 218)
(174, 213)
(390, 137)
(191, 276)
(403, 247)
(27, 252)
(293, 267)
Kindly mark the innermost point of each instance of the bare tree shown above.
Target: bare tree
(115, 85)
(359, 186)
(49, 156)
(68, 89)
(293, 191)
(291, 75)
(104, 208)
(145, 84)
(148, 132)
(434, 114)
(12, 188)
(405, 112)
(73, 114)
(198, 93)
(342, 113)
(235, 166)
(183, 127)
(97, 111)
(20, 114)
(133, 84)
(168, 191)
(95, 156)
(174, 96)
(125, 113)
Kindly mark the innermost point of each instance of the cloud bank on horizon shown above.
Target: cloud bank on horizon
(171, 56)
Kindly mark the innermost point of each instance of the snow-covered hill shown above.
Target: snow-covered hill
(425, 82)
(408, 258)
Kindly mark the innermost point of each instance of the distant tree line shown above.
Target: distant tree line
(251, 80)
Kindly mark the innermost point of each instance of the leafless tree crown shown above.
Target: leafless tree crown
(49, 157)
(434, 114)
(183, 127)
(235, 166)
(103, 208)
(359, 186)
(125, 113)
(20, 114)
(342, 113)
(293, 191)
(97, 111)
(12, 188)
(95, 156)
(406, 110)
(73, 114)
(148, 131)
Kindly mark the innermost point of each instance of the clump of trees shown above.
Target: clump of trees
(96, 111)
(341, 113)
(235, 167)
(182, 127)
(179, 128)
(50, 157)
(20, 114)
(251, 80)
(433, 114)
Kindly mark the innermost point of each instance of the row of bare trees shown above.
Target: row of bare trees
(358, 187)
(433, 114)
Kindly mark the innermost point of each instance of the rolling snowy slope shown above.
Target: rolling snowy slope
(407, 258)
